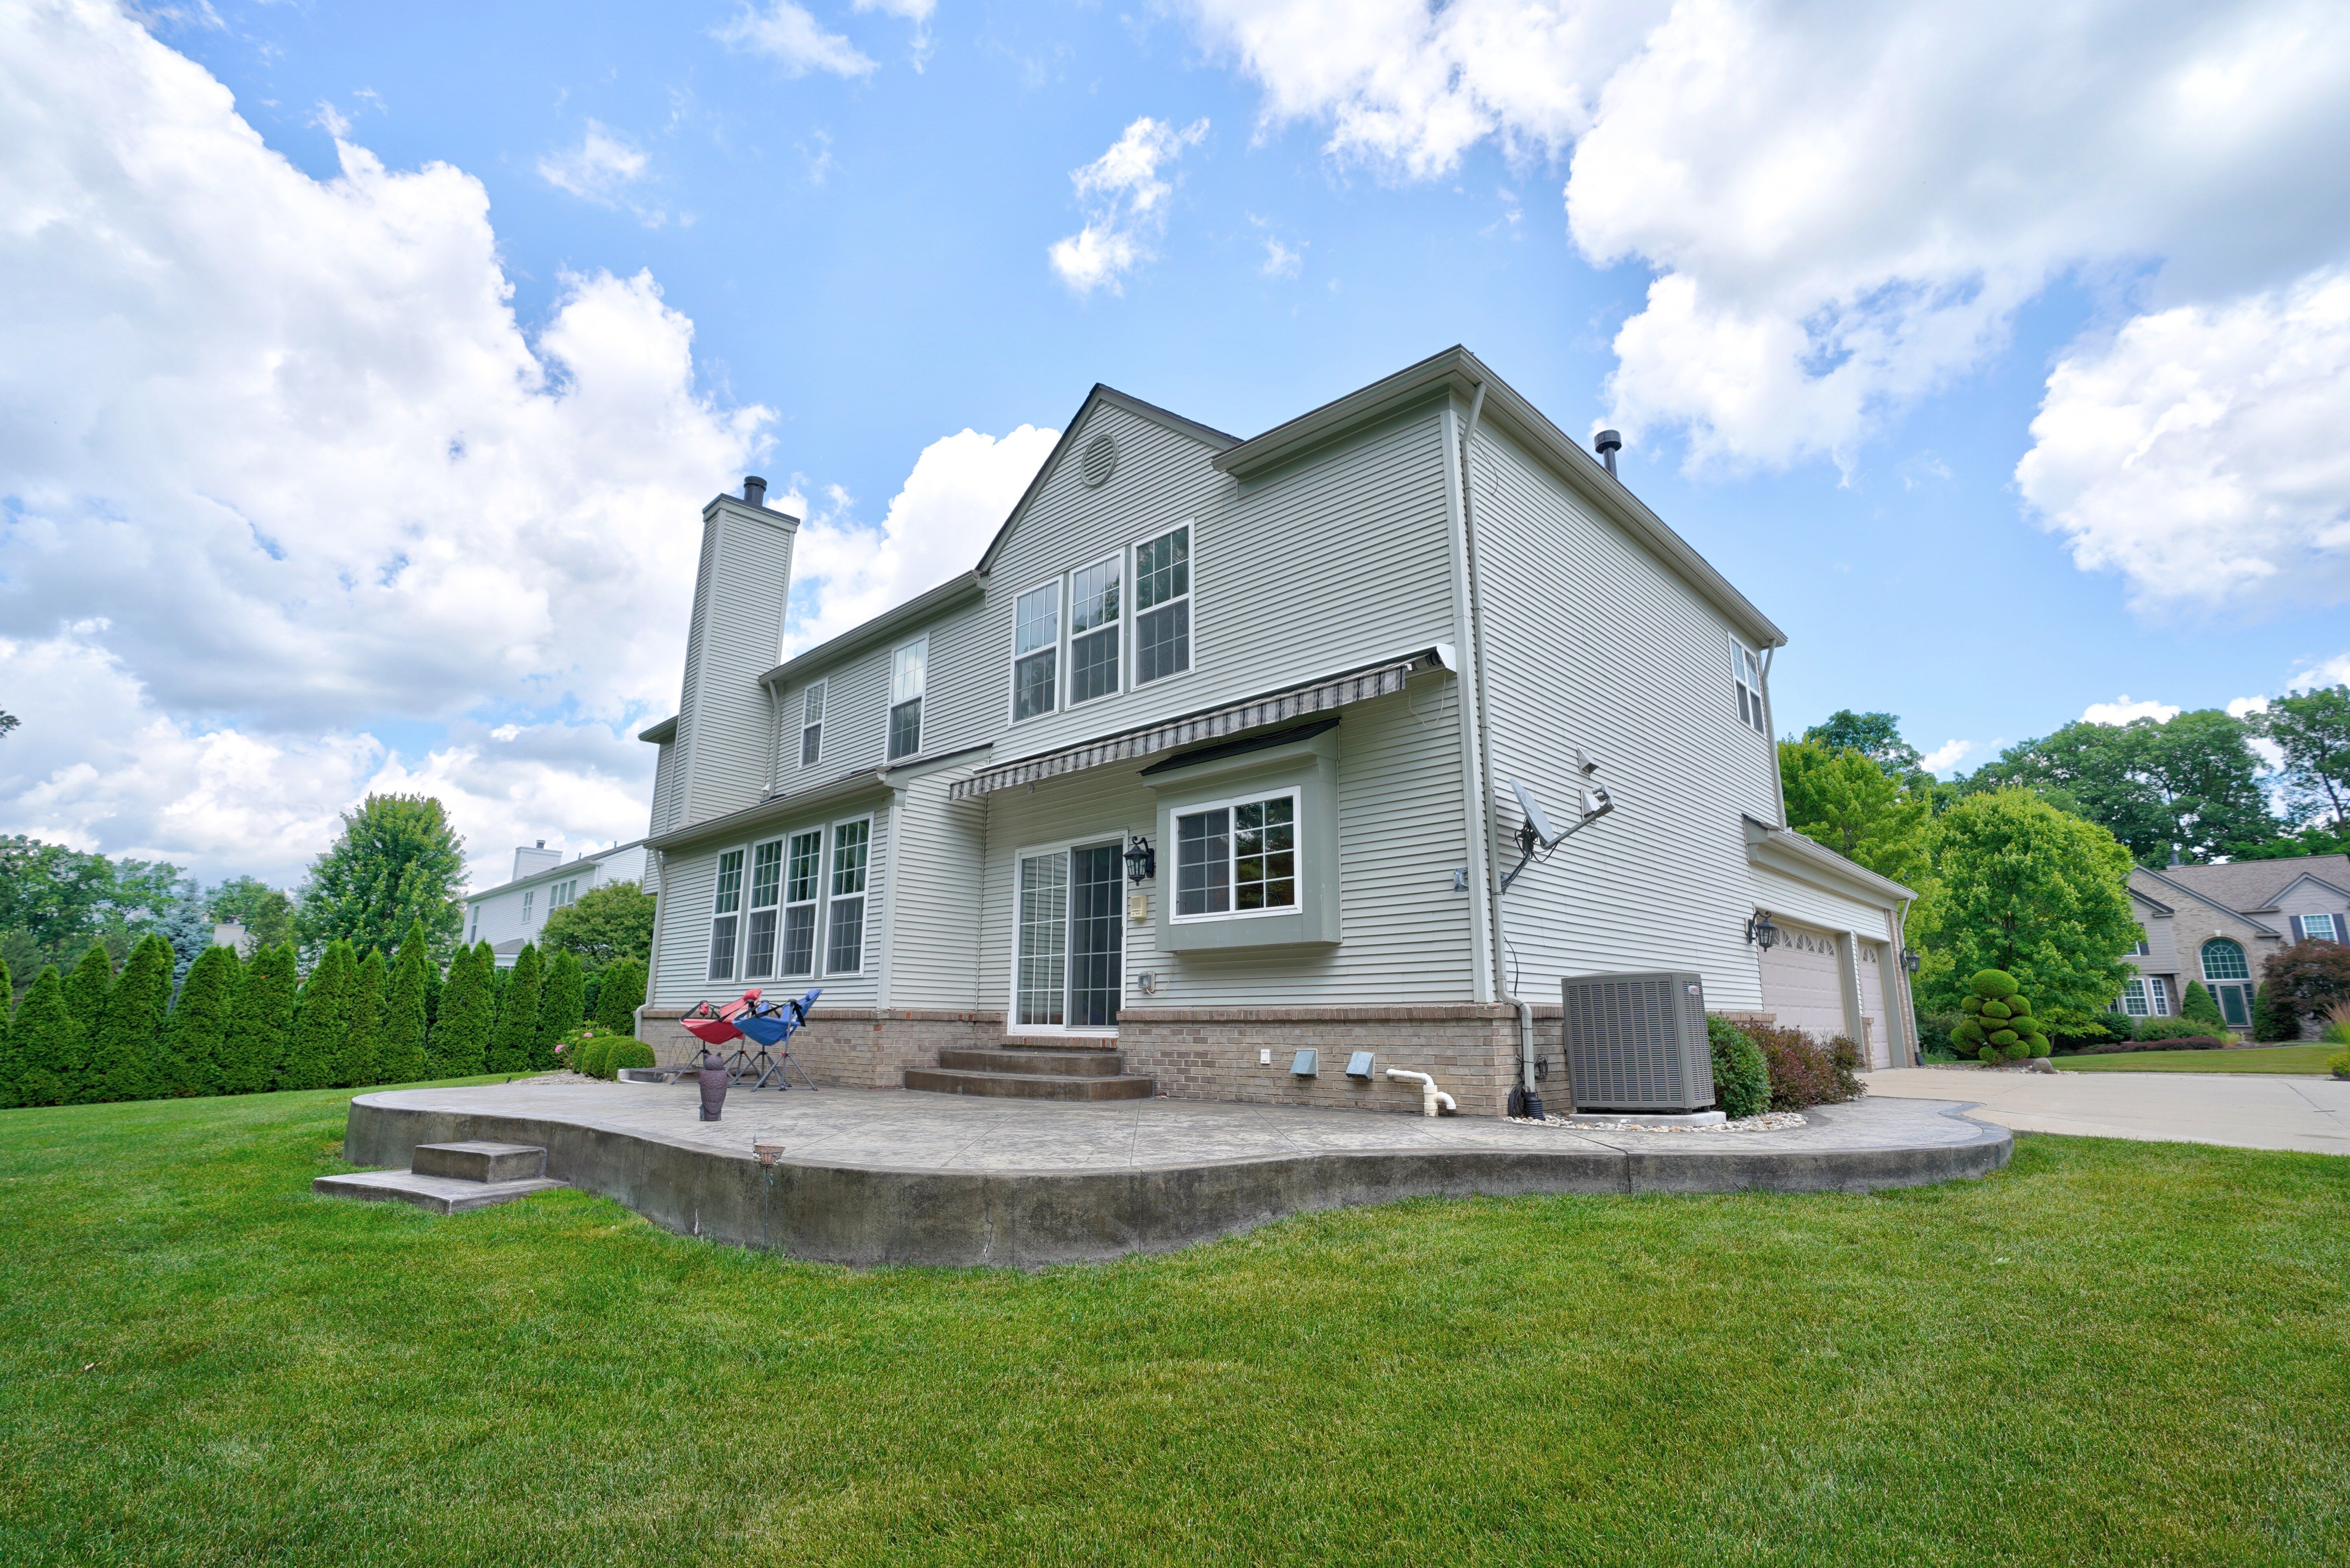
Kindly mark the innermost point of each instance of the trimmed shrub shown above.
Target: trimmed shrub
(1741, 1081)
(2198, 1007)
(1807, 1072)
(2165, 1042)
(52, 1047)
(562, 1003)
(198, 1034)
(86, 991)
(2172, 1029)
(260, 1032)
(2274, 1018)
(400, 1039)
(620, 993)
(592, 1053)
(627, 1053)
(132, 1062)
(1999, 1023)
(362, 1036)
(513, 1048)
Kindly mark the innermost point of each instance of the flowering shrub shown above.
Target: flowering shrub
(1807, 1072)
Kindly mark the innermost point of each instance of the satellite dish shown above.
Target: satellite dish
(1534, 817)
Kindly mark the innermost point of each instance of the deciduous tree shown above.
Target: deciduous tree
(1848, 802)
(266, 914)
(2191, 781)
(2312, 730)
(397, 862)
(1876, 736)
(603, 925)
(2309, 978)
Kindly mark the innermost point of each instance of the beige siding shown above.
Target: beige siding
(724, 718)
(941, 856)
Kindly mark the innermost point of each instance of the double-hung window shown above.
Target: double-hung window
(1162, 605)
(526, 899)
(725, 912)
(766, 880)
(803, 882)
(1093, 614)
(845, 925)
(1746, 675)
(812, 724)
(909, 669)
(1239, 858)
(2317, 928)
(1036, 651)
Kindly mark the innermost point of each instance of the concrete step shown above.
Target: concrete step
(477, 1161)
(1044, 1061)
(1028, 1085)
(434, 1194)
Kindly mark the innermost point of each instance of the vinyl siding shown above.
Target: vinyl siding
(664, 811)
(956, 709)
(941, 856)
(725, 719)
(1591, 640)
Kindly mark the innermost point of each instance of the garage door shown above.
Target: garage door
(1802, 983)
(1879, 1046)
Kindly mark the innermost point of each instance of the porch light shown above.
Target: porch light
(1141, 861)
(1910, 961)
(1760, 931)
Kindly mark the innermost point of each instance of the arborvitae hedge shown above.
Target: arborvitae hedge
(52, 1048)
(261, 1030)
(400, 1039)
(132, 1062)
(321, 1019)
(364, 1031)
(517, 1036)
(201, 1022)
(9, 1070)
(87, 989)
(619, 995)
(461, 1035)
(562, 1003)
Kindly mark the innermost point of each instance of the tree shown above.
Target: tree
(461, 1035)
(2273, 1018)
(621, 993)
(397, 862)
(61, 897)
(187, 925)
(1876, 736)
(562, 1003)
(2021, 888)
(603, 925)
(400, 1041)
(198, 1036)
(2191, 781)
(2310, 979)
(1848, 802)
(514, 1047)
(266, 914)
(10, 1069)
(133, 1060)
(261, 1034)
(362, 1036)
(2312, 730)
(322, 1017)
(87, 989)
(51, 1045)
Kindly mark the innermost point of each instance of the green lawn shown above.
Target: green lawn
(2111, 1353)
(2307, 1059)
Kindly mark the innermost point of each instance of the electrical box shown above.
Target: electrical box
(1301, 1065)
(1359, 1065)
(1637, 1041)
(1264, 1058)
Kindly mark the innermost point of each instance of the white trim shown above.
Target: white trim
(820, 689)
(1117, 627)
(891, 701)
(1012, 1024)
(710, 923)
(1189, 598)
(1060, 656)
(815, 904)
(1175, 815)
(750, 907)
(864, 895)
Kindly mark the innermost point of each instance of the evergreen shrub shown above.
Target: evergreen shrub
(1999, 1025)
(133, 1063)
(513, 1046)
(261, 1030)
(198, 1034)
(50, 1045)
(620, 993)
(1741, 1081)
(2199, 1007)
(627, 1053)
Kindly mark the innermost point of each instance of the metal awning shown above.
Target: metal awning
(1332, 692)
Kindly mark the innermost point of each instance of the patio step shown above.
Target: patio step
(450, 1178)
(475, 1161)
(1022, 1073)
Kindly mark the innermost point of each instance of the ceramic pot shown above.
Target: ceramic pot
(713, 1085)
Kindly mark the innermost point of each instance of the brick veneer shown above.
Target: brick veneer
(844, 1047)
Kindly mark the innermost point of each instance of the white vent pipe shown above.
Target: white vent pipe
(1430, 1096)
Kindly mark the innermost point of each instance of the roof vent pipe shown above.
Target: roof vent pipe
(1609, 443)
(2174, 854)
(754, 488)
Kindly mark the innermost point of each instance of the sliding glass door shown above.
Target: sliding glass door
(1070, 949)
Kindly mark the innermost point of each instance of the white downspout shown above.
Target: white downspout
(1430, 1096)
(1477, 873)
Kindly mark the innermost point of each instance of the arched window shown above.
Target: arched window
(2224, 960)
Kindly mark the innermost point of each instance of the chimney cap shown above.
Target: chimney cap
(1608, 441)
(755, 490)
(542, 844)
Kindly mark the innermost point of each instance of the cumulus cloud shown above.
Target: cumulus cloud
(280, 465)
(2239, 707)
(1125, 199)
(2123, 711)
(1845, 205)
(961, 489)
(794, 39)
(596, 169)
(2199, 452)
(2333, 672)
(1946, 756)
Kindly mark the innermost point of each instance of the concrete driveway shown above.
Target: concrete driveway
(2248, 1110)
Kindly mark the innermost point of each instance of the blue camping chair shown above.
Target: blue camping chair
(771, 1024)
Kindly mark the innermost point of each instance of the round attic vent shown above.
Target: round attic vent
(1101, 457)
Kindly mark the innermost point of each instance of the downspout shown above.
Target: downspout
(1525, 1099)
(1475, 876)
(1778, 778)
(652, 957)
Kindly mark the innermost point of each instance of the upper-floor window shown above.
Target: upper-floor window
(1162, 606)
(526, 898)
(767, 883)
(1746, 675)
(812, 724)
(1036, 651)
(908, 667)
(2142, 951)
(2317, 928)
(1239, 858)
(725, 914)
(1094, 621)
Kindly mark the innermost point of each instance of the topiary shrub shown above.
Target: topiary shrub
(1807, 1072)
(1999, 1023)
(2198, 1007)
(626, 1052)
(1742, 1080)
(592, 1053)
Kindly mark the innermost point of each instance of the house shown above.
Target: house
(2219, 923)
(510, 916)
(1214, 756)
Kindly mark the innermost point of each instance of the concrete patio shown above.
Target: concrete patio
(887, 1175)
(2240, 1110)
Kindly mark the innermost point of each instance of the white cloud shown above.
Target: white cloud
(2201, 452)
(596, 169)
(1126, 205)
(2123, 711)
(263, 498)
(917, 12)
(1946, 756)
(788, 35)
(2333, 672)
(1280, 260)
(1845, 205)
(2238, 707)
(961, 489)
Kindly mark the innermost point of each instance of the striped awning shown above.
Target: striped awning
(1335, 692)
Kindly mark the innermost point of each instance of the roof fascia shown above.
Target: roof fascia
(2211, 903)
(1786, 851)
(949, 595)
(2151, 902)
(1460, 372)
(659, 735)
(850, 786)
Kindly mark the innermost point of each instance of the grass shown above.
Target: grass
(2111, 1352)
(2306, 1059)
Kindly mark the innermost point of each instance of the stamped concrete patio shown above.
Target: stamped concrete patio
(888, 1176)
(2248, 1110)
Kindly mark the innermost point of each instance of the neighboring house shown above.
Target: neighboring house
(512, 914)
(2219, 923)
(233, 934)
(1210, 758)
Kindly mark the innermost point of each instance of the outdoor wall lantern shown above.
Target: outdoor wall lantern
(1141, 861)
(1760, 931)
(1910, 961)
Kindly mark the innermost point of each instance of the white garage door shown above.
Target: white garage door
(1802, 982)
(1879, 1050)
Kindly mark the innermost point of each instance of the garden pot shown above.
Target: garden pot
(713, 1085)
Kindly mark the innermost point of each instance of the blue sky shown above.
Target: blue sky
(851, 211)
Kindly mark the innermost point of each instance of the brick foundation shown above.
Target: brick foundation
(844, 1047)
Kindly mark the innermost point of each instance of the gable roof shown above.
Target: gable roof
(2205, 899)
(2157, 905)
(2334, 888)
(2242, 885)
(1100, 395)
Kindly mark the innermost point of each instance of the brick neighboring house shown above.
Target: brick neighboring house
(2218, 924)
